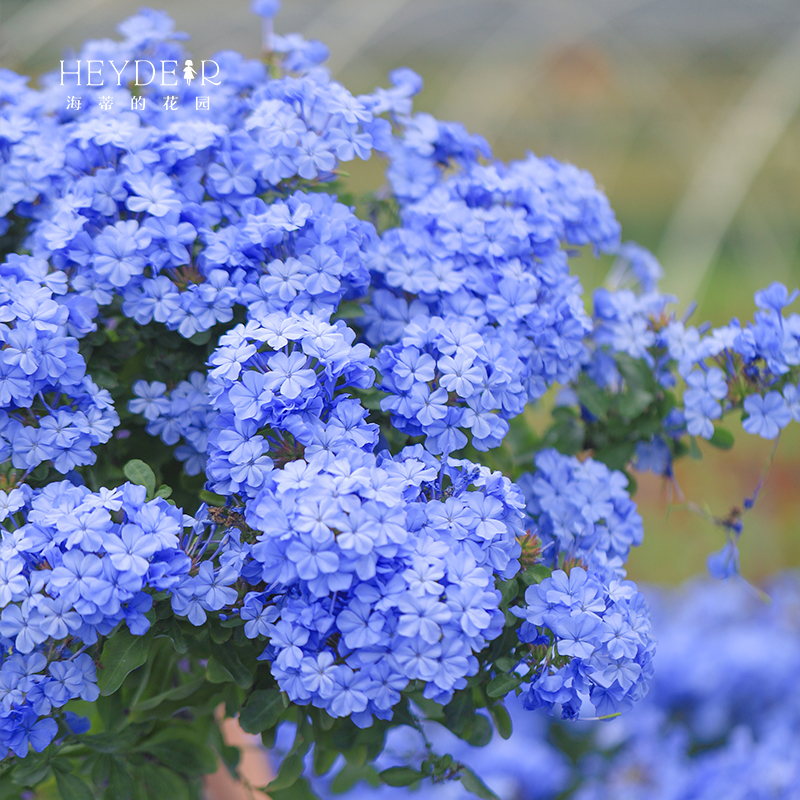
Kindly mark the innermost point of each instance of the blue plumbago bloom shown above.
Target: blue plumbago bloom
(653, 456)
(721, 719)
(369, 573)
(184, 413)
(725, 562)
(164, 207)
(622, 321)
(637, 266)
(767, 415)
(74, 565)
(701, 400)
(265, 8)
(604, 629)
(474, 305)
(754, 367)
(277, 385)
(50, 409)
(581, 510)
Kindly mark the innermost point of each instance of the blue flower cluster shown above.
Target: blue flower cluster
(50, 409)
(373, 572)
(360, 569)
(727, 657)
(764, 355)
(182, 413)
(661, 767)
(753, 367)
(630, 316)
(277, 384)
(581, 511)
(604, 630)
(474, 304)
(73, 565)
(624, 324)
(165, 208)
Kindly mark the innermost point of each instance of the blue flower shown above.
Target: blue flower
(776, 297)
(767, 415)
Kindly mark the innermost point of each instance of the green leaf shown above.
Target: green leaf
(595, 399)
(217, 673)
(472, 783)
(289, 773)
(536, 574)
(324, 758)
(616, 455)
(440, 765)
(636, 372)
(120, 783)
(633, 402)
(262, 711)
(108, 742)
(501, 685)
(229, 659)
(212, 499)
(100, 766)
(502, 720)
(694, 450)
(509, 590)
(348, 309)
(111, 710)
(356, 755)
(30, 771)
(178, 693)
(400, 776)
(104, 378)
(162, 782)
(268, 738)
(459, 713)
(137, 471)
(8, 791)
(219, 635)
(480, 733)
(201, 337)
(175, 632)
(722, 439)
(201, 702)
(430, 708)
(164, 491)
(326, 721)
(370, 398)
(299, 790)
(122, 653)
(71, 787)
(350, 775)
(182, 750)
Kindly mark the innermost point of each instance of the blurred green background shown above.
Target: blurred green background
(685, 111)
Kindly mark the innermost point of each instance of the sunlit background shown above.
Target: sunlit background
(685, 111)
